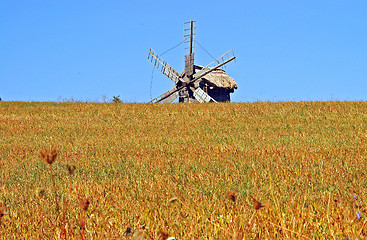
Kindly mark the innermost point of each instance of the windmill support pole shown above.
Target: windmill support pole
(191, 35)
(191, 55)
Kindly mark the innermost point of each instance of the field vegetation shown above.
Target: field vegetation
(189, 171)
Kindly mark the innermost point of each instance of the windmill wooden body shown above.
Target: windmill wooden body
(196, 83)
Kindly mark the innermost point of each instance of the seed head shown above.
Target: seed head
(128, 231)
(257, 204)
(84, 203)
(40, 192)
(2, 211)
(48, 156)
(162, 235)
(232, 196)
(71, 169)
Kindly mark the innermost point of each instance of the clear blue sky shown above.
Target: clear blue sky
(287, 50)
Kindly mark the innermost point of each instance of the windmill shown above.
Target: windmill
(196, 83)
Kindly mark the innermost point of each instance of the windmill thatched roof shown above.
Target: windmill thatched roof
(219, 78)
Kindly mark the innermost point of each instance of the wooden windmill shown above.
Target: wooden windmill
(196, 83)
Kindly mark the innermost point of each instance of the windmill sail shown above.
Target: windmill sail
(222, 60)
(166, 97)
(201, 96)
(163, 66)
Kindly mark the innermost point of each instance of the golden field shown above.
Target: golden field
(190, 171)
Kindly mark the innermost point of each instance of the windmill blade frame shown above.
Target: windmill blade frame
(227, 55)
(208, 69)
(201, 96)
(163, 66)
(167, 97)
(170, 98)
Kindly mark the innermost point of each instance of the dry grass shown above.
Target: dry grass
(189, 171)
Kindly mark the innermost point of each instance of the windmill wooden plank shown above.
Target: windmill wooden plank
(189, 64)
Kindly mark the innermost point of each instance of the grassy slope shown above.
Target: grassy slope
(304, 161)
